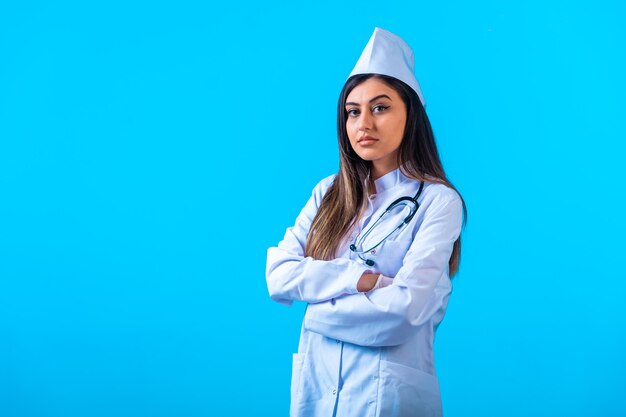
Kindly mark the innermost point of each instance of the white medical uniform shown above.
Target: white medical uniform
(370, 354)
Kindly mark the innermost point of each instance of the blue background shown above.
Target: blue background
(150, 153)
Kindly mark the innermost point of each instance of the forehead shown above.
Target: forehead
(370, 88)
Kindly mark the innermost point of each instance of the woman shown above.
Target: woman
(372, 252)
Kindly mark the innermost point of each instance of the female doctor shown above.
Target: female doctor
(372, 252)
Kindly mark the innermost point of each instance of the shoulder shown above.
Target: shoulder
(321, 187)
(325, 183)
(438, 197)
(440, 192)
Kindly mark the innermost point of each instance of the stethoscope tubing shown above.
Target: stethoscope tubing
(407, 220)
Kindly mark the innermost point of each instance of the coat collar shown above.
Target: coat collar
(387, 181)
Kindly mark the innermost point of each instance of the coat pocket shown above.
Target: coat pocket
(407, 392)
(296, 375)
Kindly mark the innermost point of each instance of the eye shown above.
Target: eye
(379, 108)
(352, 112)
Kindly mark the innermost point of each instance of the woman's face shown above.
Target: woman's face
(376, 117)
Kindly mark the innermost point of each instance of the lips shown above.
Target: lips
(366, 140)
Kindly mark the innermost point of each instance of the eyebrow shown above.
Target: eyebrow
(350, 103)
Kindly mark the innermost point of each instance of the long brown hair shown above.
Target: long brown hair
(343, 202)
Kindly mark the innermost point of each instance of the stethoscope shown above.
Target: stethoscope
(414, 205)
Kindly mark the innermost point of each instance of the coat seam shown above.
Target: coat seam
(376, 404)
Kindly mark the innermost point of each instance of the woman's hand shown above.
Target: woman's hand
(366, 282)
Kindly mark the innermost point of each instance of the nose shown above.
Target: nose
(365, 121)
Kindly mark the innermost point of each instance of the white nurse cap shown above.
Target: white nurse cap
(388, 54)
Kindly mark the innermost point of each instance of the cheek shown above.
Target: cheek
(399, 135)
(399, 130)
(351, 131)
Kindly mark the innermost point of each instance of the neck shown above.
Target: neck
(378, 170)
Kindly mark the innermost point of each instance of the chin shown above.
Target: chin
(368, 156)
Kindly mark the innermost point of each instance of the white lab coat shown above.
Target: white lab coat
(370, 354)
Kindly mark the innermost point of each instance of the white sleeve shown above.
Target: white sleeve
(291, 276)
(391, 315)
